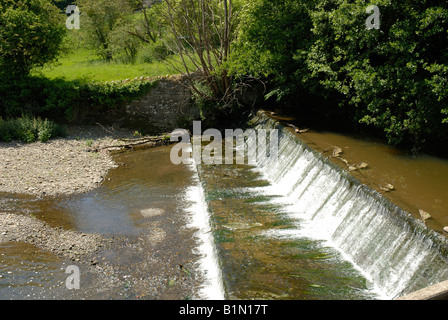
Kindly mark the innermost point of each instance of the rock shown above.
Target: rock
(359, 166)
(445, 229)
(362, 165)
(336, 152)
(151, 212)
(388, 187)
(424, 215)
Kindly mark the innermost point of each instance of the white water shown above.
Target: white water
(393, 252)
(213, 288)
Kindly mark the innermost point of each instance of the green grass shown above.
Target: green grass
(82, 64)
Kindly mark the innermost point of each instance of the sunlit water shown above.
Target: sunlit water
(299, 228)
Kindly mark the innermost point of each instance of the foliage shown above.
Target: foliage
(393, 78)
(272, 41)
(28, 129)
(56, 99)
(113, 93)
(31, 33)
(102, 25)
(146, 26)
(36, 96)
(123, 46)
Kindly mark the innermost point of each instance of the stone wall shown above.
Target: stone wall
(167, 107)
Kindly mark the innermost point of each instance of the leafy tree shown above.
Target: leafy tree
(121, 44)
(201, 33)
(273, 39)
(102, 23)
(395, 77)
(31, 35)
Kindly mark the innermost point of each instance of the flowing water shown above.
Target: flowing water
(395, 253)
(296, 228)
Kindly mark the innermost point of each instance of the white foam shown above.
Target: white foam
(213, 288)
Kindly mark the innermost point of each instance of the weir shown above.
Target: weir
(395, 252)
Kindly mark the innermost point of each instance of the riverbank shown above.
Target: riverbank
(128, 253)
(67, 243)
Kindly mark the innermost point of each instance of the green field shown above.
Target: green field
(83, 64)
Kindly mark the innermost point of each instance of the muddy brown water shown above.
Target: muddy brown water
(420, 181)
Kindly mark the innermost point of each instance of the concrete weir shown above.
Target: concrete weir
(395, 252)
(435, 292)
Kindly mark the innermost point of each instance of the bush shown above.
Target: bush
(31, 35)
(41, 97)
(28, 129)
(393, 79)
(57, 99)
(112, 94)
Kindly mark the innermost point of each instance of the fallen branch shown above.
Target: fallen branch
(133, 143)
(154, 141)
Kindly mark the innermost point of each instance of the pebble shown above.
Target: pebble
(445, 229)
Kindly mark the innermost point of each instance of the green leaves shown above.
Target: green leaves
(31, 33)
(27, 129)
(394, 78)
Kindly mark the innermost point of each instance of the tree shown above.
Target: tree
(394, 77)
(100, 19)
(146, 28)
(272, 42)
(201, 33)
(31, 35)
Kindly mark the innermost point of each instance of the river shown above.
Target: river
(304, 228)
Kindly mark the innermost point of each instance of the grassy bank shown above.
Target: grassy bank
(83, 64)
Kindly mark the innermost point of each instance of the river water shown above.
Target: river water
(298, 230)
(147, 203)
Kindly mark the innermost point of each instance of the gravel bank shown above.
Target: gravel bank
(66, 243)
(159, 263)
(60, 166)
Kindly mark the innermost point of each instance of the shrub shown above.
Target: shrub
(28, 129)
(31, 35)
(56, 99)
